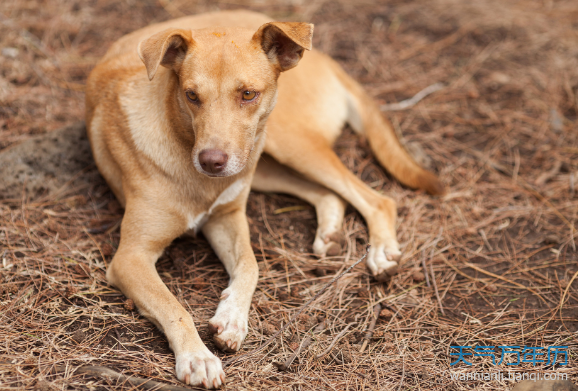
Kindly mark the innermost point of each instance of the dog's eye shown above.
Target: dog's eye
(192, 96)
(249, 95)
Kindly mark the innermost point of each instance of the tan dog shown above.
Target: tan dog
(178, 132)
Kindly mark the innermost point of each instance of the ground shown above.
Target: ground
(499, 248)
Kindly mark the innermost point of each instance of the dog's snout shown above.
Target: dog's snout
(213, 160)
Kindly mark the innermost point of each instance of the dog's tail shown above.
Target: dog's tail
(365, 118)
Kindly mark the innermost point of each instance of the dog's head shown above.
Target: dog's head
(227, 84)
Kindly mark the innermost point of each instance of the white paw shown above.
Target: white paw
(230, 324)
(329, 244)
(382, 261)
(200, 368)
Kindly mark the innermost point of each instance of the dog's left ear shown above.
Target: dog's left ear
(284, 42)
(167, 48)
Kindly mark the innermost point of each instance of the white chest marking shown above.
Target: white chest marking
(228, 195)
(197, 222)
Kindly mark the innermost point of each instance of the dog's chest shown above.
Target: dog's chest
(195, 221)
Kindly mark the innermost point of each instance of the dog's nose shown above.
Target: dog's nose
(213, 160)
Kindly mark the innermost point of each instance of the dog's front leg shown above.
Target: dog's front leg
(228, 234)
(145, 233)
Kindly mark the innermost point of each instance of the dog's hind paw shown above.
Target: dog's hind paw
(329, 245)
(200, 369)
(383, 261)
(229, 326)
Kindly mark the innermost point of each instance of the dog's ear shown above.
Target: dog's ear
(284, 42)
(167, 48)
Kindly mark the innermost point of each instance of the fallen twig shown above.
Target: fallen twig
(406, 104)
(546, 176)
(402, 372)
(369, 332)
(433, 278)
(341, 334)
(425, 273)
(304, 345)
(272, 338)
(147, 384)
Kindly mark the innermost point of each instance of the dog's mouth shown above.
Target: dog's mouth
(231, 168)
(216, 163)
(215, 175)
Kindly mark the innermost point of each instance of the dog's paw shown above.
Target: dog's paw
(200, 368)
(229, 325)
(329, 244)
(382, 261)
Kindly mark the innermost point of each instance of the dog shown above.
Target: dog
(178, 114)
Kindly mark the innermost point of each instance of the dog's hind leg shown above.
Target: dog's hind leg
(273, 177)
(305, 150)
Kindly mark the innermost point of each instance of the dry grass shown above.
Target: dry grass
(501, 246)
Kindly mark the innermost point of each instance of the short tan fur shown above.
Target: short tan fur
(178, 114)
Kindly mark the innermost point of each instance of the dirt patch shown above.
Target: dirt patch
(501, 244)
(43, 165)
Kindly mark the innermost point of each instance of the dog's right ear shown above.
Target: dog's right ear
(167, 48)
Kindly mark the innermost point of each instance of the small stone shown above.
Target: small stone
(386, 313)
(356, 337)
(499, 78)
(378, 334)
(304, 322)
(551, 239)
(78, 336)
(10, 289)
(199, 283)
(10, 52)
(70, 291)
(283, 295)
(346, 353)
(303, 318)
(43, 385)
(129, 305)
(473, 94)
(320, 272)
(418, 276)
(268, 329)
